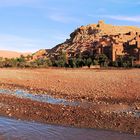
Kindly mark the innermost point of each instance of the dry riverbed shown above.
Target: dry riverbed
(114, 93)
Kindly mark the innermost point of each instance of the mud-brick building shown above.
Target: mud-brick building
(127, 44)
(114, 46)
(101, 38)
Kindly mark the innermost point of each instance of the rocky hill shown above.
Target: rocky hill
(40, 54)
(100, 38)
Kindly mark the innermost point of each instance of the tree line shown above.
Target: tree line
(24, 62)
(62, 61)
(98, 59)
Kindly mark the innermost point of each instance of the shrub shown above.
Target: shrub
(89, 62)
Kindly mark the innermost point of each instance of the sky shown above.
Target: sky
(31, 25)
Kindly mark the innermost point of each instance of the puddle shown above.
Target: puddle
(136, 114)
(39, 97)
(22, 130)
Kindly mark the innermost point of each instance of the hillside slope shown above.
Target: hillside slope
(11, 54)
(100, 38)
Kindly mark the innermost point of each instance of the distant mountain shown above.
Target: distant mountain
(11, 54)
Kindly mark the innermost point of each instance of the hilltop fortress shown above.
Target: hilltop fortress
(101, 38)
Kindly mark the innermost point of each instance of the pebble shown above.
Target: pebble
(10, 115)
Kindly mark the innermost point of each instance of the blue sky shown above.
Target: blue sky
(30, 25)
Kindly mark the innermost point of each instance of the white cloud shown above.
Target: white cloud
(63, 18)
(123, 18)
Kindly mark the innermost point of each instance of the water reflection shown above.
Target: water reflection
(14, 130)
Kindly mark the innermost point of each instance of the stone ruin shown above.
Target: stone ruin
(101, 38)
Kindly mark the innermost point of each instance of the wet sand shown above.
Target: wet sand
(109, 90)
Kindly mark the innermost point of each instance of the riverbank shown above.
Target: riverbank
(26, 109)
(115, 94)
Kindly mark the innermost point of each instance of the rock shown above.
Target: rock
(39, 54)
(10, 115)
(137, 108)
(135, 132)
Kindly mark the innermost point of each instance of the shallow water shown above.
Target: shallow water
(42, 98)
(14, 130)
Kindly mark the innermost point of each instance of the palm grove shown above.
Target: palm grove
(63, 61)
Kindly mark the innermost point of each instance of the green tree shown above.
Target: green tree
(79, 62)
(89, 62)
(115, 64)
(62, 60)
(21, 59)
(102, 59)
(72, 63)
(95, 62)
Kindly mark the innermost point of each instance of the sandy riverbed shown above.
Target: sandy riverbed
(85, 84)
(108, 89)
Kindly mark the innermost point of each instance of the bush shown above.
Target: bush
(124, 61)
(72, 63)
(102, 59)
(115, 64)
(95, 62)
(137, 65)
(89, 62)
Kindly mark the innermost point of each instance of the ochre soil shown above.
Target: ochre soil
(103, 87)
(117, 85)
